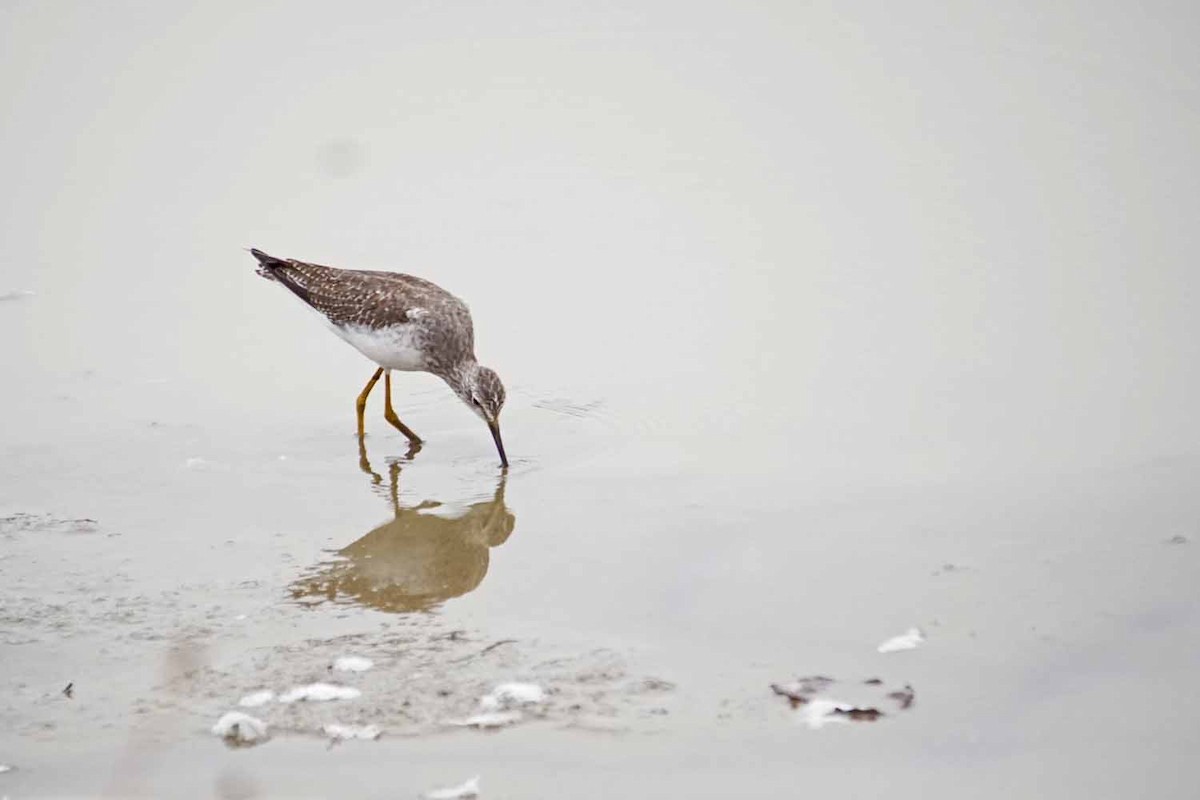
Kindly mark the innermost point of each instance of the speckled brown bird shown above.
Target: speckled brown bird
(399, 322)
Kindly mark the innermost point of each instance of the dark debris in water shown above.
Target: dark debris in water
(801, 690)
(44, 523)
(903, 697)
(858, 714)
(805, 694)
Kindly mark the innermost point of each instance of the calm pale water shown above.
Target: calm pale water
(818, 325)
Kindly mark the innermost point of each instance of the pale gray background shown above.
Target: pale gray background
(948, 233)
(797, 303)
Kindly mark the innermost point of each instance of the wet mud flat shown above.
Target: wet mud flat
(990, 623)
(154, 670)
(575, 627)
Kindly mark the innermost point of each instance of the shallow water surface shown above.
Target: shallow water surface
(805, 344)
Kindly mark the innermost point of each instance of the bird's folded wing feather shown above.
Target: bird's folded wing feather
(352, 297)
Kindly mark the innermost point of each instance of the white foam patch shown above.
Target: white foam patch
(468, 789)
(353, 664)
(489, 719)
(319, 692)
(507, 695)
(820, 712)
(343, 732)
(240, 728)
(909, 640)
(256, 699)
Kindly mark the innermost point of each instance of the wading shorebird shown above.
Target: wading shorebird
(399, 322)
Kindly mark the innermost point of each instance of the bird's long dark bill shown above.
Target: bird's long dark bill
(494, 427)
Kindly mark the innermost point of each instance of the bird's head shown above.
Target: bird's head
(483, 392)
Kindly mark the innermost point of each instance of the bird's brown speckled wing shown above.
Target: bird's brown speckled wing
(356, 297)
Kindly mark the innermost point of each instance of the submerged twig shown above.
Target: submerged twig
(494, 645)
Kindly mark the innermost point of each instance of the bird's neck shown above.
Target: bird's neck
(460, 376)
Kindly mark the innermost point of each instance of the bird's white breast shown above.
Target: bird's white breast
(393, 347)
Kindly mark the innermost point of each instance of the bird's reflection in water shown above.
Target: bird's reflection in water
(416, 560)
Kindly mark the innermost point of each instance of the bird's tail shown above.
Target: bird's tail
(267, 264)
(289, 272)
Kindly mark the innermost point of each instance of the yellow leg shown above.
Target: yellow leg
(390, 415)
(361, 404)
